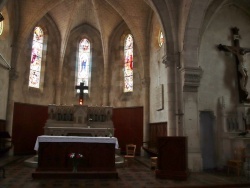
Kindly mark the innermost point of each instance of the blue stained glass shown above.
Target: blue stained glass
(84, 59)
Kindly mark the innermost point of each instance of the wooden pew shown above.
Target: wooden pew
(156, 130)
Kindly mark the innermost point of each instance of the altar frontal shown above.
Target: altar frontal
(76, 157)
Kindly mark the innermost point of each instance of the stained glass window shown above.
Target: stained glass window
(1, 27)
(36, 58)
(128, 64)
(160, 39)
(84, 58)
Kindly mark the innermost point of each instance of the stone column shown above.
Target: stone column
(146, 85)
(2, 4)
(169, 62)
(13, 76)
(191, 80)
(58, 87)
(105, 99)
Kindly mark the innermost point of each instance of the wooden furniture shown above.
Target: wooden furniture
(128, 124)
(172, 158)
(156, 130)
(5, 142)
(236, 164)
(153, 162)
(54, 161)
(130, 153)
(28, 123)
(2, 124)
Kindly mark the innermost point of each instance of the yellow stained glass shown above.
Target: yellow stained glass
(160, 39)
(1, 27)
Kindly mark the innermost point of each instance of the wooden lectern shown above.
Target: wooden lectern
(172, 158)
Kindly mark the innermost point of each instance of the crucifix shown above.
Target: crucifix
(239, 54)
(81, 87)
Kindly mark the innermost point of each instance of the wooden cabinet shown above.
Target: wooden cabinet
(172, 158)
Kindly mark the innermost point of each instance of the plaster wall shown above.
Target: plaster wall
(46, 95)
(5, 43)
(220, 71)
(158, 74)
(117, 97)
(219, 78)
(4, 74)
(69, 95)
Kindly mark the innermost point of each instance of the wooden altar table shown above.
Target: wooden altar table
(54, 162)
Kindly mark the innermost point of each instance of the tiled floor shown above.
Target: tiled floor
(138, 174)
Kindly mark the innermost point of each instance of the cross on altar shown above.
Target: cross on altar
(81, 87)
(240, 61)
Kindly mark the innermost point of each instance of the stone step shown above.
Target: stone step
(33, 161)
(119, 161)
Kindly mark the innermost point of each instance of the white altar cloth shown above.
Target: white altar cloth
(46, 138)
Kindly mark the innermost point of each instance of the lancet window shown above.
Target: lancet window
(128, 64)
(160, 38)
(1, 27)
(36, 58)
(84, 62)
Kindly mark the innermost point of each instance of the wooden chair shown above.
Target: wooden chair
(130, 153)
(153, 162)
(237, 162)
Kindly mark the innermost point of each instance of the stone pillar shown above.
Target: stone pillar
(58, 87)
(191, 80)
(146, 85)
(13, 76)
(105, 91)
(169, 62)
(2, 4)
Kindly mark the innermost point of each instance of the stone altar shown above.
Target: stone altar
(79, 120)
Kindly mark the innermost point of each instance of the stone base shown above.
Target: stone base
(75, 175)
(173, 175)
(195, 162)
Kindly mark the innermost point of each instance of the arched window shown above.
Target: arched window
(1, 27)
(160, 38)
(84, 58)
(128, 64)
(36, 58)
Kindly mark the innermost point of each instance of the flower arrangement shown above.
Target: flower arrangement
(76, 157)
(110, 132)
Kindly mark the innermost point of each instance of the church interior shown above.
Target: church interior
(169, 76)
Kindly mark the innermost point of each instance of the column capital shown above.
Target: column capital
(191, 77)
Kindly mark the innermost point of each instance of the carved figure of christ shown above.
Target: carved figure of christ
(81, 87)
(240, 60)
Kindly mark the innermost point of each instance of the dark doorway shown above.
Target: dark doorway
(207, 133)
